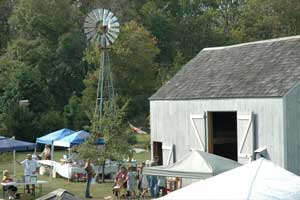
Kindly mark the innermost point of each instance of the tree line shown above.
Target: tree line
(45, 58)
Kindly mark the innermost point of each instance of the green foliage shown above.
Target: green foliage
(20, 122)
(116, 145)
(51, 121)
(75, 114)
(6, 7)
(131, 138)
(44, 59)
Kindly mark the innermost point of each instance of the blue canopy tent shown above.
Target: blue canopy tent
(76, 138)
(51, 137)
(8, 144)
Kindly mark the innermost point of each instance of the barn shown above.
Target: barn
(232, 101)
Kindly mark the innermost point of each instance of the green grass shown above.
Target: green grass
(98, 190)
(143, 141)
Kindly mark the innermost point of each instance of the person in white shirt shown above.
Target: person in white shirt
(30, 169)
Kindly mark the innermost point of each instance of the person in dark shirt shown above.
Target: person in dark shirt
(89, 175)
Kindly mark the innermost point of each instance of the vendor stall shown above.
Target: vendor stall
(75, 171)
(51, 137)
(194, 165)
(10, 144)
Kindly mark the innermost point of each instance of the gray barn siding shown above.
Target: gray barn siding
(170, 122)
(292, 128)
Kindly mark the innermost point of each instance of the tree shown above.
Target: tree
(6, 7)
(52, 43)
(115, 147)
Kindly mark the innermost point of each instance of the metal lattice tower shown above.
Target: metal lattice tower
(102, 28)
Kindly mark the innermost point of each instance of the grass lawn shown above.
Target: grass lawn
(98, 190)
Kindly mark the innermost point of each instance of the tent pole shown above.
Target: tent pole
(52, 158)
(181, 182)
(14, 165)
(69, 152)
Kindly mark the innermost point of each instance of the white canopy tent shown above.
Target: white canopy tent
(260, 179)
(194, 165)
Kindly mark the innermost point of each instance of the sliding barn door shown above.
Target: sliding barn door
(199, 127)
(245, 133)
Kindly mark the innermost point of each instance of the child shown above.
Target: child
(130, 182)
(11, 189)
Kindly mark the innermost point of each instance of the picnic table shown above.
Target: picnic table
(22, 183)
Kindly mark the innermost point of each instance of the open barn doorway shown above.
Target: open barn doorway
(157, 152)
(222, 134)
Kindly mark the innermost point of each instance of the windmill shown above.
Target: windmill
(102, 28)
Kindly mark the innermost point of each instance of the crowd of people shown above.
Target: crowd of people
(127, 181)
(130, 182)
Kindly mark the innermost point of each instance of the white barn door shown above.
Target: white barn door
(168, 154)
(245, 136)
(199, 126)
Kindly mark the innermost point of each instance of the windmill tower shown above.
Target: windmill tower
(102, 28)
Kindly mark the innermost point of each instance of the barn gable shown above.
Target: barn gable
(267, 68)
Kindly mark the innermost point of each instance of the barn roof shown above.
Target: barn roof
(268, 68)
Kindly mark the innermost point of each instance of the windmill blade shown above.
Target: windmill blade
(88, 25)
(116, 31)
(112, 34)
(115, 25)
(99, 14)
(109, 16)
(113, 19)
(89, 30)
(89, 18)
(105, 14)
(110, 38)
(93, 17)
(107, 43)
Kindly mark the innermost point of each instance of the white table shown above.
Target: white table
(40, 183)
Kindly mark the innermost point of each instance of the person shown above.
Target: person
(12, 190)
(144, 185)
(120, 181)
(139, 177)
(153, 182)
(161, 185)
(89, 175)
(130, 182)
(46, 154)
(30, 169)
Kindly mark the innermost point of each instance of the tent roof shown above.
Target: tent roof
(8, 144)
(196, 164)
(75, 139)
(51, 137)
(61, 194)
(268, 68)
(260, 179)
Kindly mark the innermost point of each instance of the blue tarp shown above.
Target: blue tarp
(75, 139)
(1, 137)
(8, 144)
(51, 137)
